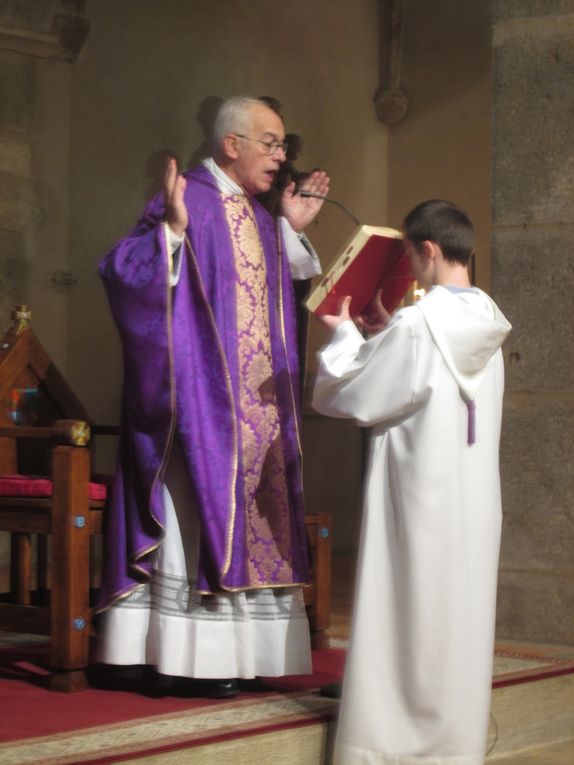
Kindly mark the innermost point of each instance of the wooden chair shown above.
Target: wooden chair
(45, 492)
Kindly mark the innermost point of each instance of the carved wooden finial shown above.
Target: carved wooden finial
(22, 316)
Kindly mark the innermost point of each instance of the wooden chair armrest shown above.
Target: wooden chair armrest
(69, 432)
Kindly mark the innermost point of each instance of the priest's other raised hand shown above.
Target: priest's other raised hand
(299, 210)
(173, 188)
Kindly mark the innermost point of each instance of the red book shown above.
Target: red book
(373, 258)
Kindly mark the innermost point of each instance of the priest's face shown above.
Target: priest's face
(258, 151)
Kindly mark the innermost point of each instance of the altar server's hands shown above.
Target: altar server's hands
(376, 317)
(173, 188)
(332, 321)
(373, 320)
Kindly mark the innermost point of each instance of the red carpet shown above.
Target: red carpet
(108, 726)
(27, 709)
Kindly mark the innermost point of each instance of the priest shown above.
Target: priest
(429, 383)
(206, 553)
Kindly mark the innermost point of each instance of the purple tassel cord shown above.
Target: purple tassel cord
(471, 406)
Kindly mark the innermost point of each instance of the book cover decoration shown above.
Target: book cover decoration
(373, 258)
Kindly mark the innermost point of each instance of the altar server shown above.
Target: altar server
(429, 384)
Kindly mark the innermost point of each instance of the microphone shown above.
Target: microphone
(331, 201)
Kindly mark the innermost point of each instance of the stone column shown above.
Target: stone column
(533, 282)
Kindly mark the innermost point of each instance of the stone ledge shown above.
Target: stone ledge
(64, 41)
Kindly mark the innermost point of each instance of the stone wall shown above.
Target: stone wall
(533, 280)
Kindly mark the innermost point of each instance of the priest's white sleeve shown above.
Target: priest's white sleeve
(174, 249)
(303, 260)
(372, 380)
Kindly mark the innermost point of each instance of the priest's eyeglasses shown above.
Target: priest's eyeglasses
(270, 146)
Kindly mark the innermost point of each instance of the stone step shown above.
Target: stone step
(533, 714)
(529, 726)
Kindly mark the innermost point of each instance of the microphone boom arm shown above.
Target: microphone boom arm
(333, 202)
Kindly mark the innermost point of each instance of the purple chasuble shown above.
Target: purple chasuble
(183, 379)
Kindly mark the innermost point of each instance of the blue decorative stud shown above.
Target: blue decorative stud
(324, 532)
(79, 624)
(80, 521)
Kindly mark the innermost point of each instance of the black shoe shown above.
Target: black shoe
(205, 689)
(331, 691)
(219, 689)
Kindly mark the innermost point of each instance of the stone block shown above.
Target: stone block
(537, 460)
(529, 719)
(18, 90)
(533, 155)
(535, 607)
(513, 9)
(533, 282)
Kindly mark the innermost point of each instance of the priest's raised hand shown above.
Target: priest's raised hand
(174, 185)
(300, 210)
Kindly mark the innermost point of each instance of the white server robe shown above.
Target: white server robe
(418, 677)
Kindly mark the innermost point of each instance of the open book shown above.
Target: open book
(373, 258)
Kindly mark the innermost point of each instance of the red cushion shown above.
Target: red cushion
(24, 486)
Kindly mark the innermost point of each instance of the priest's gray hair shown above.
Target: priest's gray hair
(233, 117)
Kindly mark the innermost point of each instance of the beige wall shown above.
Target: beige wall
(34, 172)
(443, 147)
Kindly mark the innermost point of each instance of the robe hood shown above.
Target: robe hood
(468, 328)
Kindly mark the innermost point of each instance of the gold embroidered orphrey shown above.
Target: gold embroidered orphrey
(268, 530)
